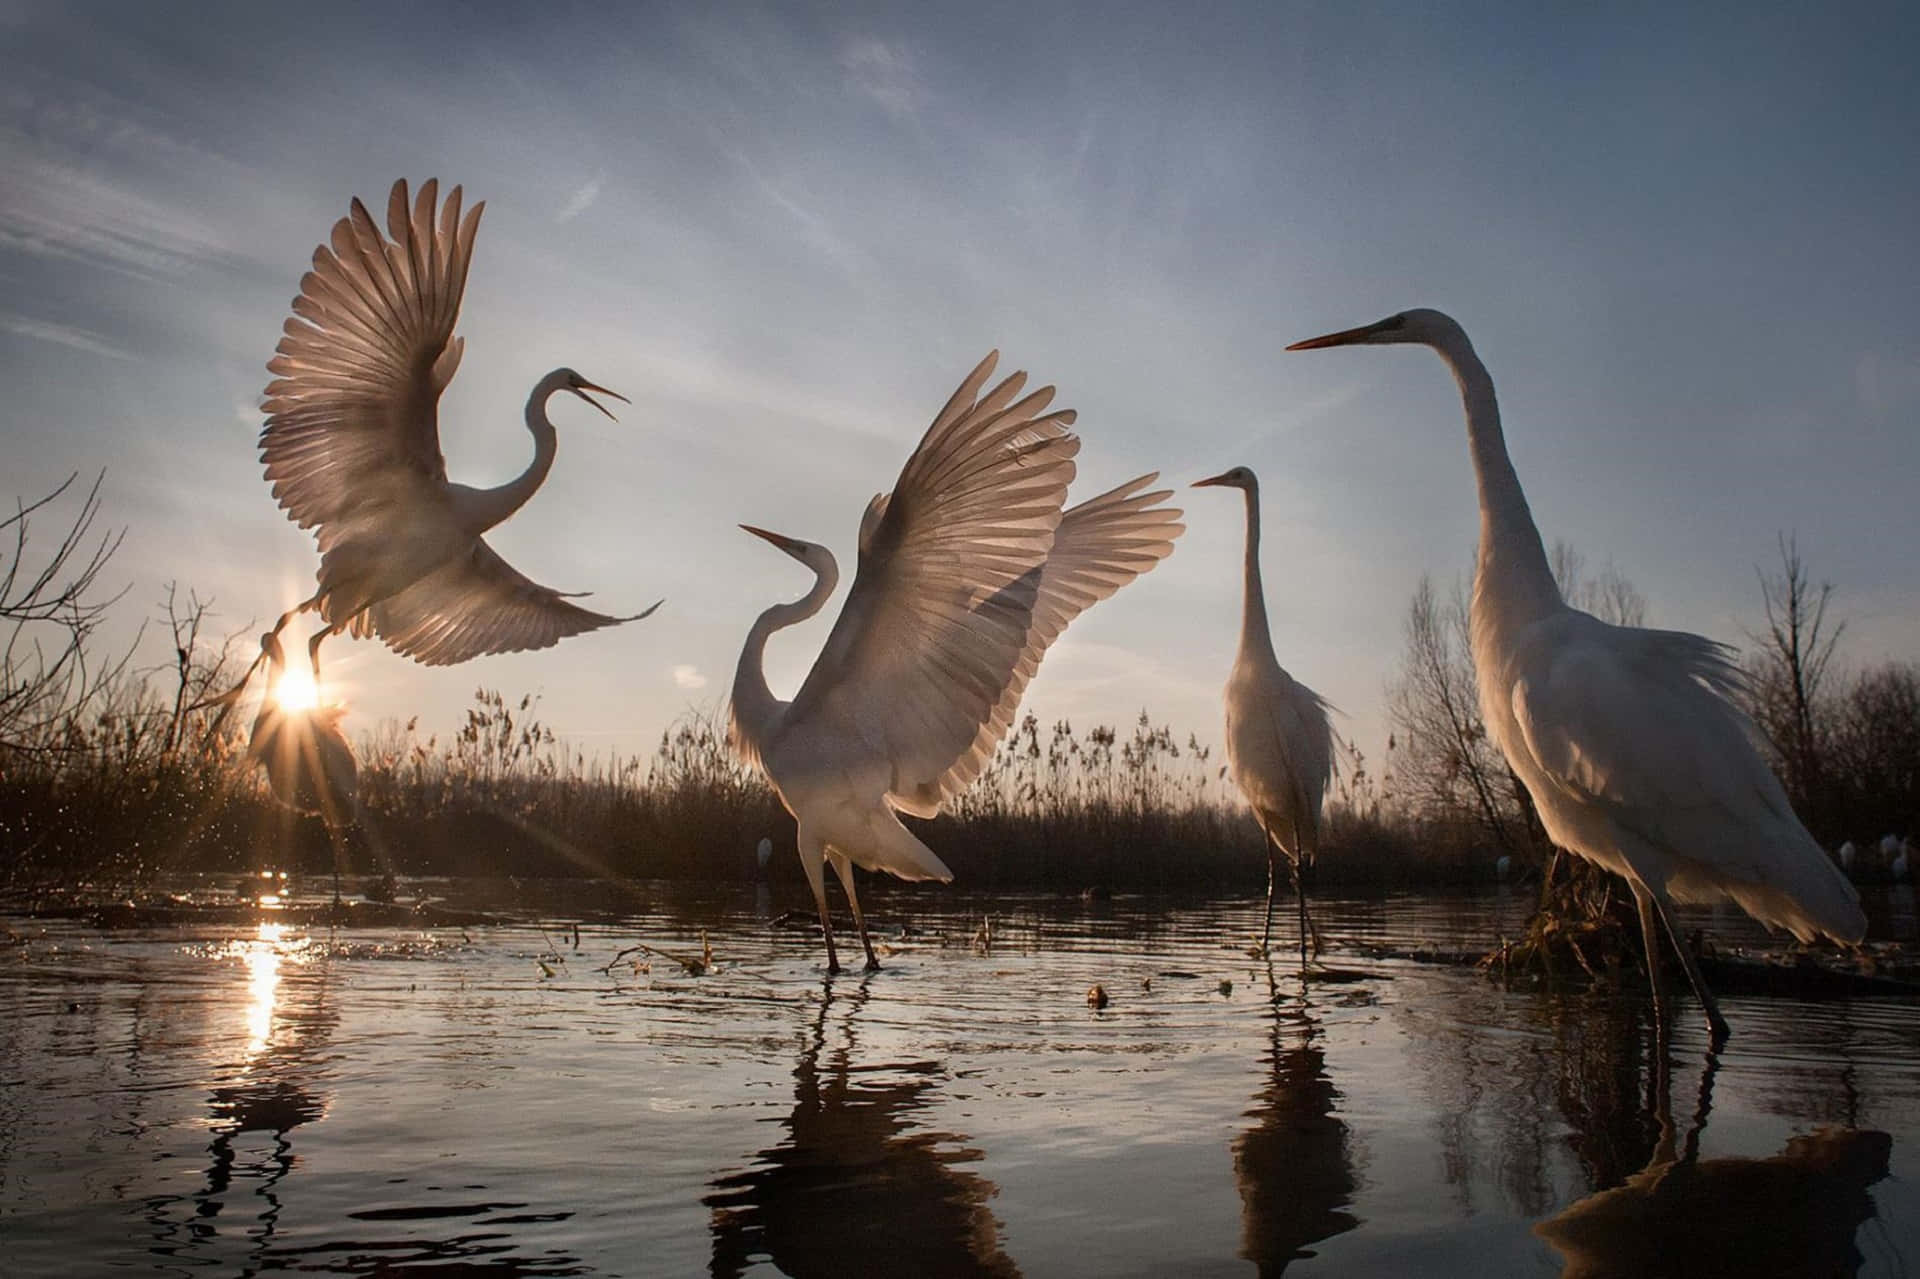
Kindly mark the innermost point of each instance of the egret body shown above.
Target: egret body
(1628, 739)
(1279, 744)
(969, 569)
(352, 447)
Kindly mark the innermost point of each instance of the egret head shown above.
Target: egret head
(1421, 325)
(568, 380)
(1240, 477)
(809, 554)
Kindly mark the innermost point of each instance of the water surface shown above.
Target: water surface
(503, 1099)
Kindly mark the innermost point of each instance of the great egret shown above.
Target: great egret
(1628, 739)
(1279, 744)
(310, 766)
(968, 570)
(352, 447)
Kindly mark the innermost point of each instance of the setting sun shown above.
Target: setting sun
(297, 691)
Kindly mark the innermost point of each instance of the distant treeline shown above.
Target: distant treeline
(108, 778)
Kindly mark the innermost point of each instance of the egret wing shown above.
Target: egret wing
(353, 413)
(1640, 724)
(942, 603)
(1101, 545)
(477, 603)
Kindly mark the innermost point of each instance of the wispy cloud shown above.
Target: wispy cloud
(688, 677)
(583, 198)
(884, 72)
(55, 204)
(63, 335)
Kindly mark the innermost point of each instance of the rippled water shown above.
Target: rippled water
(503, 1100)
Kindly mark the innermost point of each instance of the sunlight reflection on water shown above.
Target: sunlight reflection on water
(272, 1096)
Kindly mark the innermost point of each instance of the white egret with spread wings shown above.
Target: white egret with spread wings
(352, 447)
(969, 569)
(1279, 743)
(1629, 740)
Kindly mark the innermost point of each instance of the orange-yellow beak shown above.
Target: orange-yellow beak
(1346, 337)
(786, 544)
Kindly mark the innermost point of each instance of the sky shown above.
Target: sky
(1685, 240)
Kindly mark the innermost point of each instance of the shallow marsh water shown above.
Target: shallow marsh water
(245, 1098)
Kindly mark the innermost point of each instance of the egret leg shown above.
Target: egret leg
(1651, 901)
(843, 868)
(1717, 1027)
(1307, 929)
(313, 651)
(1266, 930)
(813, 859)
(1650, 940)
(295, 611)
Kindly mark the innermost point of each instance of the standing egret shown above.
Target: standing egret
(968, 570)
(310, 766)
(1279, 744)
(352, 447)
(1629, 740)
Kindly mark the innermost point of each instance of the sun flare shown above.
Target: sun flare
(297, 691)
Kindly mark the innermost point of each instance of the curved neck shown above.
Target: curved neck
(755, 708)
(1254, 635)
(484, 508)
(1510, 549)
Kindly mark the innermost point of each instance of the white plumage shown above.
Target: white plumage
(352, 446)
(968, 570)
(1629, 741)
(1279, 743)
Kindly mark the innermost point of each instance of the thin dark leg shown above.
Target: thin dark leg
(313, 651)
(1717, 1027)
(813, 857)
(1266, 929)
(1650, 939)
(1309, 931)
(844, 869)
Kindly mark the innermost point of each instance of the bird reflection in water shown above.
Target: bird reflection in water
(270, 1090)
(1295, 1165)
(853, 1188)
(1794, 1214)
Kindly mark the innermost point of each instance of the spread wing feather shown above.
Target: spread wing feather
(476, 604)
(1101, 545)
(353, 413)
(943, 600)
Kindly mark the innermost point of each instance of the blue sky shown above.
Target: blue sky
(1685, 244)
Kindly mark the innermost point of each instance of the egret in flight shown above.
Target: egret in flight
(352, 447)
(968, 570)
(1629, 740)
(1279, 744)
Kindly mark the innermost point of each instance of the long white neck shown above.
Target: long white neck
(481, 509)
(755, 709)
(1512, 567)
(1255, 638)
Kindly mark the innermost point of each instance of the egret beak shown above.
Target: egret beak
(585, 386)
(1347, 337)
(1212, 481)
(786, 544)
